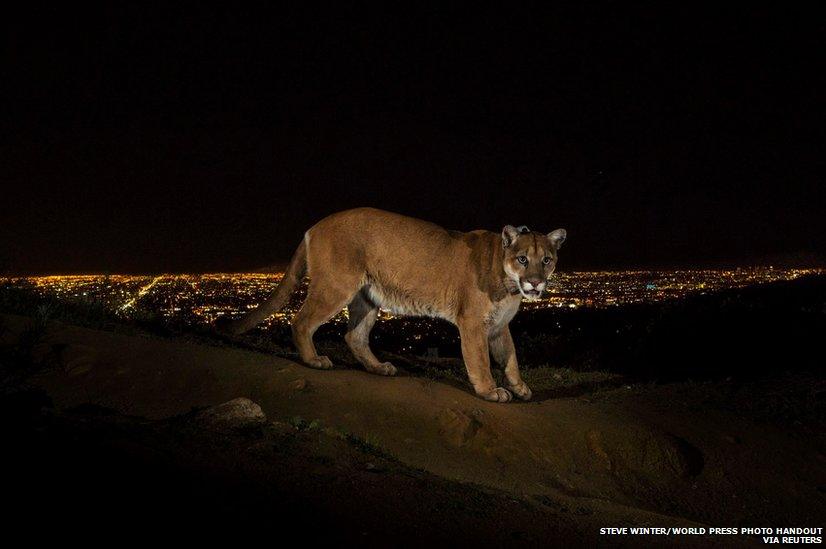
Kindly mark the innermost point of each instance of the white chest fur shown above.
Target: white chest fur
(502, 313)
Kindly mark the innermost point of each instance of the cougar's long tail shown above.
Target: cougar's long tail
(292, 278)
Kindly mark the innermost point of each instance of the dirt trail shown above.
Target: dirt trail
(624, 457)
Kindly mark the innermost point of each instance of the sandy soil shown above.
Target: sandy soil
(659, 455)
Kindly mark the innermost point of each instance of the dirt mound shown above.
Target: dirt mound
(619, 453)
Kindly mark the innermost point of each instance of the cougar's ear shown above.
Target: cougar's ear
(557, 237)
(509, 234)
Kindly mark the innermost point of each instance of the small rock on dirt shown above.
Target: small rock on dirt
(300, 385)
(239, 411)
(458, 427)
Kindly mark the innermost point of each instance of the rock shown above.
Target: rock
(300, 384)
(282, 428)
(684, 459)
(457, 427)
(236, 412)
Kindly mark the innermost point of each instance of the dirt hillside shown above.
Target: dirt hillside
(651, 455)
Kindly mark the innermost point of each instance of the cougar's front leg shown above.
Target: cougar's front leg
(476, 355)
(504, 353)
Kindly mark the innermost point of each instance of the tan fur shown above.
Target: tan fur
(366, 258)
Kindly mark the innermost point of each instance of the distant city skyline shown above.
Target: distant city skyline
(781, 261)
(201, 299)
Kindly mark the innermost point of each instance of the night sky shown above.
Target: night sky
(194, 139)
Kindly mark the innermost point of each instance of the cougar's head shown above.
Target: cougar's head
(530, 258)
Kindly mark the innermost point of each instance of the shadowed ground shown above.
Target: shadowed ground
(677, 454)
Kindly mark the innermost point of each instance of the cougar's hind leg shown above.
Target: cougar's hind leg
(326, 297)
(363, 314)
(319, 307)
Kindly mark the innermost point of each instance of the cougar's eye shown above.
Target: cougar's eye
(546, 260)
(522, 259)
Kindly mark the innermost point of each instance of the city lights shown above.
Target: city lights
(200, 299)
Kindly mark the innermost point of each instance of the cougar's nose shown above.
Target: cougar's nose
(535, 282)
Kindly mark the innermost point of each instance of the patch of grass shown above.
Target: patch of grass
(369, 444)
(438, 373)
(549, 378)
(300, 424)
(83, 311)
(297, 422)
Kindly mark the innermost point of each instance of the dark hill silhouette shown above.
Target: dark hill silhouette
(746, 332)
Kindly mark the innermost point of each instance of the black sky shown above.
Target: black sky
(188, 138)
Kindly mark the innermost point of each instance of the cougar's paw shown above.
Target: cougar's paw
(382, 369)
(499, 394)
(522, 391)
(320, 363)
